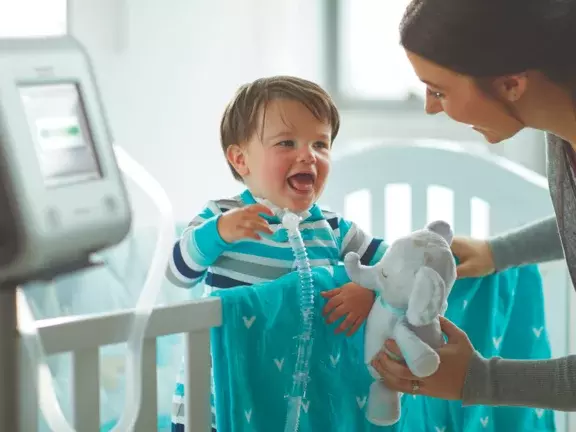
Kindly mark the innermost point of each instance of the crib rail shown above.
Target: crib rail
(69, 334)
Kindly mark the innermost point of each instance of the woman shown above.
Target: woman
(501, 66)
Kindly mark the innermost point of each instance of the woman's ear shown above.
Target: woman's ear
(236, 155)
(511, 87)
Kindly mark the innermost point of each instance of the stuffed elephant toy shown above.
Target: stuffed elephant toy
(412, 282)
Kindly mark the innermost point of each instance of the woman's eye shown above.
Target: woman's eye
(435, 94)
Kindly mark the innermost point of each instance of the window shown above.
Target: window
(32, 18)
(370, 63)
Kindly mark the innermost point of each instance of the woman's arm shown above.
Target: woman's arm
(534, 243)
(548, 384)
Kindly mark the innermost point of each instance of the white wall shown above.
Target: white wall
(167, 69)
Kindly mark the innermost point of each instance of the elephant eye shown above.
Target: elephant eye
(384, 274)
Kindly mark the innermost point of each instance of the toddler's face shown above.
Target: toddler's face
(287, 160)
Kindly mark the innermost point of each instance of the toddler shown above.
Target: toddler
(277, 135)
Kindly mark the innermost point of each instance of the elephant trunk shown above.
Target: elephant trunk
(364, 276)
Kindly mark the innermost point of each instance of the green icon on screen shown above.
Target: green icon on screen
(61, 132)
(73, 131)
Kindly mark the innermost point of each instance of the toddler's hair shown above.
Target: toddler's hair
(241, 115)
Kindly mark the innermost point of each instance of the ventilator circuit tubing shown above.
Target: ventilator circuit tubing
(290, 221)
(47, 397)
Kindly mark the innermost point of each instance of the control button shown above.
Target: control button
(53, 218)
(110, 204)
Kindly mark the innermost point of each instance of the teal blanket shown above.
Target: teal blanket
(254, 355)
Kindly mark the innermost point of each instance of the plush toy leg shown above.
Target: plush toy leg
(422, 360)
(383, 408)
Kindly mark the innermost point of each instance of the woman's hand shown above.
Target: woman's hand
(475, 257)
(446, 383)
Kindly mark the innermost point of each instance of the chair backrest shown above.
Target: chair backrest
(393, 187)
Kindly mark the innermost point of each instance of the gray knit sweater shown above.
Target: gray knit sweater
(547, 384)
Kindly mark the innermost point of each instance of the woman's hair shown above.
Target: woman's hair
(490, 38)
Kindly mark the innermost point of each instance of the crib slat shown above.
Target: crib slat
(28, 406)
(462, 214)
(86, 389)
(197, 378)
(419, 206)
(148, 415)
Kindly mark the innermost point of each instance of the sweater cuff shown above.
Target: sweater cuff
(207, 242)
(502, 254)
(477, 385)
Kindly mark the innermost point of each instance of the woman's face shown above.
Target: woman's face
(462, 100)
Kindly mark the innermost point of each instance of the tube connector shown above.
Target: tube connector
(291, 221)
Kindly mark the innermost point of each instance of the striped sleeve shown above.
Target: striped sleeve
(354, 239)
(199, 246)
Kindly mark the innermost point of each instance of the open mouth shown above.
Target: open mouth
(302, 182)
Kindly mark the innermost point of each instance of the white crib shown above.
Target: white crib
(480, 193)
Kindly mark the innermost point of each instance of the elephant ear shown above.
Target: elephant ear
(428, 298)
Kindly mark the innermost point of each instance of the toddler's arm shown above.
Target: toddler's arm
(199, 247)
(354, 239)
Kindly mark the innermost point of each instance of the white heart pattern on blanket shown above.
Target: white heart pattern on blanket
(279, 363)
(249, 321)
(361, 401)
(537, 331)
(496, 341)
(334, 360)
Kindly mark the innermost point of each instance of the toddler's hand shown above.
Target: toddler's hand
(244, 222)
(351, 299)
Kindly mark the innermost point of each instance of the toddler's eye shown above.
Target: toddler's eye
(287, 143)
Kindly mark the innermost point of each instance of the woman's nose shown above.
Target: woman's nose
(432, 105)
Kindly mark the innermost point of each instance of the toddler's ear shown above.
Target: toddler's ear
(237, 158)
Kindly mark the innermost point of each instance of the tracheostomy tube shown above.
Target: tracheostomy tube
(291, 223)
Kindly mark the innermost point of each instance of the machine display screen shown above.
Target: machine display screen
(61, 134)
